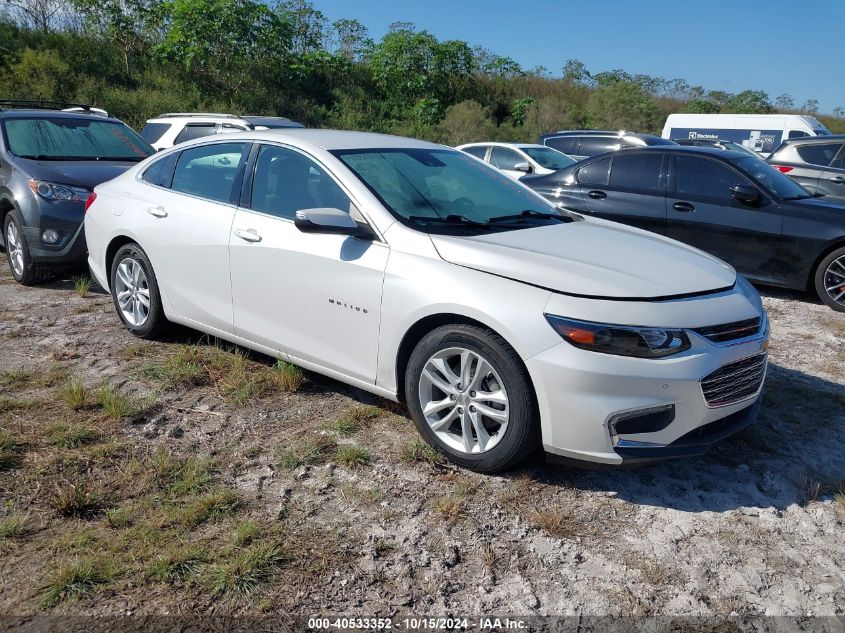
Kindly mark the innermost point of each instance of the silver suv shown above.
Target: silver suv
(817, 163)
(581, 144)
(173, 128)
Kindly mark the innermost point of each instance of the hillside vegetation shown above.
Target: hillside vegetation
(140, 58)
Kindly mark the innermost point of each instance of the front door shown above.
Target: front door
(703, 213)
(316, 297)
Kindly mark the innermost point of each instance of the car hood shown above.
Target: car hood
(81, 173)
(592, 258)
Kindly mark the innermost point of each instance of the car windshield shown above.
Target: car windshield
(548, 157)
(446, 190)
(773, 180)
(74, 138)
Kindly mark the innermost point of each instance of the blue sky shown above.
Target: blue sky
(719, 44)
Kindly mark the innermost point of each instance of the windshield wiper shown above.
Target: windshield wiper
(449, 219)
(528, 214)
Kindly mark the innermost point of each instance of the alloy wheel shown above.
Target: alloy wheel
(14, 245)
(463, 400)
(834, 280)
(132, 291)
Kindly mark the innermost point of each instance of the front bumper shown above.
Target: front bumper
(72, 250)
(583, 395)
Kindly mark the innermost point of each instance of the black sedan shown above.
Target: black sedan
(727, 203)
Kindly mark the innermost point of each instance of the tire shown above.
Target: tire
(831, 270)
(24, 270)
(510, 439)
(145, 322)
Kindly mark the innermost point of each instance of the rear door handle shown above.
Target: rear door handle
(157, 212)
(839, 180)
(249, 235)
(683, 207)
(597, 195)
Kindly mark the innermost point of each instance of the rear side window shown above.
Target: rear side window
(152, 132)
(594, 173)
(196, 130)
(797, 134)
(505, 158)
(160, 173)
(638, 171)
(476, 151)
(592, 145)
(821, 155)
(565, 144)
(209, 171)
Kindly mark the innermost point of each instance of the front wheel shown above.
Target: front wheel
(135, 294)
(24, 270)
(470, 397)
(830, 280)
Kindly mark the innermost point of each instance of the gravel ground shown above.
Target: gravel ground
(754, 527)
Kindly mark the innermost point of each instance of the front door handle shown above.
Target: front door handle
(597, 195)
(683, 207)
(157, 212)
(839, 180)
(249, 235)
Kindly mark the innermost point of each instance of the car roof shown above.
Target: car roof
(619, 133)
(675, 149)
(324, 139)
(257, 119)
(38, 113)
(826, 138)
(503, 144)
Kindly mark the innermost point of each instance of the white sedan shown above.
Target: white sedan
(415, 272)
(519, 159)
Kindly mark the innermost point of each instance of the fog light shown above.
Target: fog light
(50, 236)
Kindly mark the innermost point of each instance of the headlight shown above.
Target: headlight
(621, 340)
(56, 191)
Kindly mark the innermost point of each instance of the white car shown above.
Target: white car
(413, 271)
(170, 129)
(518, 159)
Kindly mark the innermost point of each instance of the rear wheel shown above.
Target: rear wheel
(135, 294)
(830, 280)
(470, 397)
(24, 270)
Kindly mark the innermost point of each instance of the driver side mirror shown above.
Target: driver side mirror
(524, 167)
(745, 193)
(329, 220)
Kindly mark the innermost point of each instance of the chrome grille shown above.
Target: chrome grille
(730, 331)
(734, 382)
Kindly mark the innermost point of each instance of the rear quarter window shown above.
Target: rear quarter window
(565, 144)
(160, 173)
(821, 155)
(152, 132)
(594, 173)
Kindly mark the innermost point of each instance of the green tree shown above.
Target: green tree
(574, 71)
(38, 75)
(702, 106)
(785, 102)
(465, 122)
(811, 106)
(623, 105)
(750, 102)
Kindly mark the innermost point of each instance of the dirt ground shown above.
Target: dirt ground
(183, 476)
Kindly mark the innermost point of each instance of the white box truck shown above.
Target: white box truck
(760, 132)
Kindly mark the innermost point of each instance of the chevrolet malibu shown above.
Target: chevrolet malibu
(418, 273)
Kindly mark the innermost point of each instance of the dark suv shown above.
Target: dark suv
(581, 144)
(727, 203)
(50, 161)
(817, 163)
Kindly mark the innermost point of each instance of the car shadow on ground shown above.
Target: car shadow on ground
(794, 453)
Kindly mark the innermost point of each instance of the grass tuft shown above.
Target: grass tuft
(15, 378)
(247, 571)
(308, 453)
(289, 376)
(450, 508)
(73, 393)
(116, 405)
(119, 517)
(71, 436)
(212, 506)
(177, 565)
(9, 450)
(352, 455)
(418, 451)
(245, 533)
(13, 526)
(73, 580)
(76, 500)
(82, 285)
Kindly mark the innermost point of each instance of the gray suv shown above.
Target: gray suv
(581, 144)
(817, 163)
(50, 162)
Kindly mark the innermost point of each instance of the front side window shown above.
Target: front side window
(702, 178)
(446, 191)
(594, 173)
(286, 181)
(208, 171)
(505, 158)
(195, 130)
(72, 138)
(821, 155)
(637, 171)
(549, 158)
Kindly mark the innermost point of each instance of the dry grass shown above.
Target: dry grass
(76, 500)
(82, 285)
(840, 505)
(212, 506)
(10, 449)
(177, 564)
(71, 435)
(13, 526)
(352, 455)
(289, 376)
(116, 405)
(73, 393)
(15, 378)
(75, 579)
(308, 453)
(418, 451)
(450, 508)
(809, 488)
(247, 571)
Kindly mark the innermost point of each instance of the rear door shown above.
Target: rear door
(815, 159)
(832, 180)
(703, 213)
(628, 188)
(567, 144)
(505, 160)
